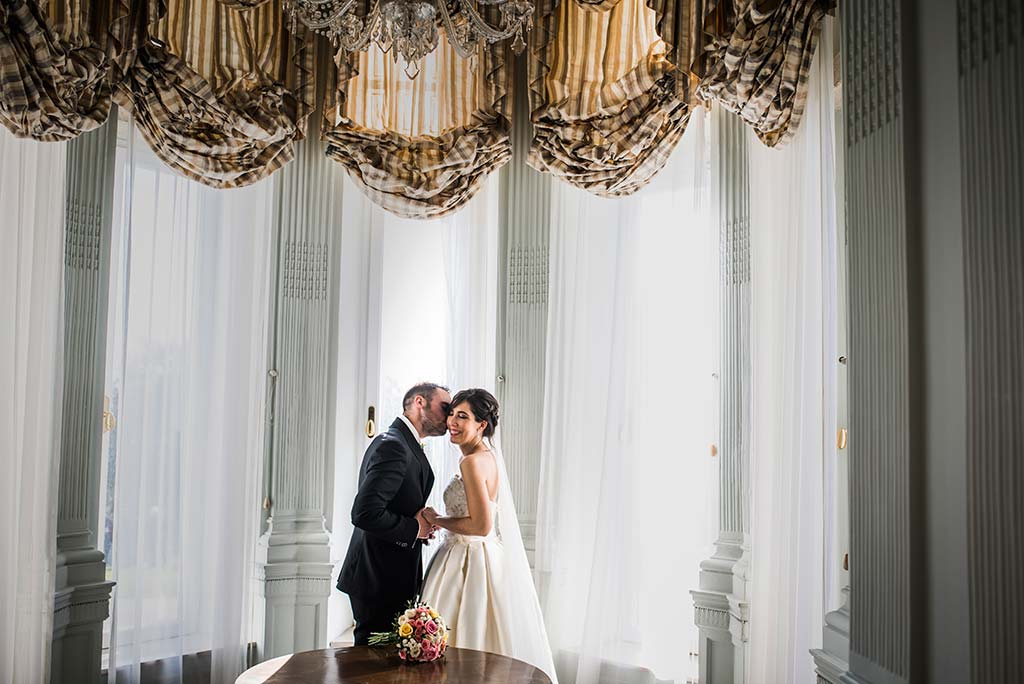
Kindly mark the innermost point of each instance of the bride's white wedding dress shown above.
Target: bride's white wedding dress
(483, 587)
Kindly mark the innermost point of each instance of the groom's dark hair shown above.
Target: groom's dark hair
(424, 389)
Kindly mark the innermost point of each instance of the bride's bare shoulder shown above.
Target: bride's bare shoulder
(480, 462)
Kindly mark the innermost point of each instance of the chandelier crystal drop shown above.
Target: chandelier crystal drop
(409, 29)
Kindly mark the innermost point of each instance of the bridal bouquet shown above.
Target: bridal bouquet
(419, 633)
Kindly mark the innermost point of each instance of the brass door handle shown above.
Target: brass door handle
(109, 421)
(371, 426)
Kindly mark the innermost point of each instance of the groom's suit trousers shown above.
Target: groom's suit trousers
(373, 616)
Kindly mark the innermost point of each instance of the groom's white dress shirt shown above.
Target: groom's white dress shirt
(415, 433)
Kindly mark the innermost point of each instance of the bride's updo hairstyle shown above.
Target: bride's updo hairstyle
(484, 407)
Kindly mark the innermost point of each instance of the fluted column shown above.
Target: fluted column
(991, 100)
(294, 569)
(885, 444)
(721, 604)
(82, 593)
(934, 157)
(523, 313)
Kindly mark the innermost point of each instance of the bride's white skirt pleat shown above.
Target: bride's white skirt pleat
(464, 583)
(461, 583)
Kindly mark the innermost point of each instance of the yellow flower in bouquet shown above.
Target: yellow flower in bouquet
(405, 630)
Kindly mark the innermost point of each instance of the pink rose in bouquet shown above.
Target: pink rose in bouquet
(419, 633)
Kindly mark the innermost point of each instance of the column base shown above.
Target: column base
(81, 603)
(722, 612)
(711, 613)
(293, 571)
(832, 659)
(863, 671)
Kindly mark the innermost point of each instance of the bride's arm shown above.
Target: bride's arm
(478, 522)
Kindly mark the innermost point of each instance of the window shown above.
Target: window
(186, 360)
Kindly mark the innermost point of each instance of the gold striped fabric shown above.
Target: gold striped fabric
(54, 67)
(420, 147)
(604, 97)
(760, 69)
(688, 28)
(219, 89)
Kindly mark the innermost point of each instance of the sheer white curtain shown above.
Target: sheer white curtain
(31, 381)
(439, 308)
(627, 484)
(471, 280)
(793, 271)
(431, 288)
(189, 439)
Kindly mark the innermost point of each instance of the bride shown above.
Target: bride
(479, 578)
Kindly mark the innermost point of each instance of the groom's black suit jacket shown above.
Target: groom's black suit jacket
(384, 565)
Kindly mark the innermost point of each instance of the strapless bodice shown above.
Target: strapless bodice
(456, 505)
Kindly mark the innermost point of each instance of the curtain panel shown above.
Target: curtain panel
(220, 89)
(622, 446)
(608, 99)
(761, 67)
(55, 63)
(186, 378)
(32, 191)
(420, 147)
(793, 266)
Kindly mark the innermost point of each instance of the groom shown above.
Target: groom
(384, 568)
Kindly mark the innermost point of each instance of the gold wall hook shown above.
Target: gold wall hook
(841, 437)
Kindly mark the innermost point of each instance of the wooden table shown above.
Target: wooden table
(366, 665)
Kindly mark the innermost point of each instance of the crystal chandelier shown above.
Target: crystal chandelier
(409, 28)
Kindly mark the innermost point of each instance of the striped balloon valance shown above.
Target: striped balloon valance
(222, 89)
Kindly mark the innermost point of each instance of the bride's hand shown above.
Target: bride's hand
(431, 516)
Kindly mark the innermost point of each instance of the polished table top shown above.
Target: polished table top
(368, 665)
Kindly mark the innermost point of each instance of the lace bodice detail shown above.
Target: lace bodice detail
(456, 505)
